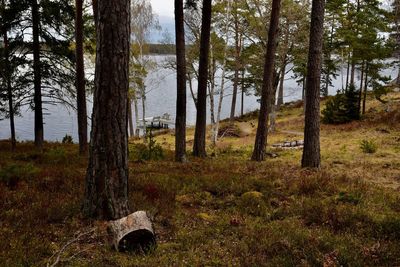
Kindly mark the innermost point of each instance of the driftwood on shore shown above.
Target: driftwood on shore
(132, 233)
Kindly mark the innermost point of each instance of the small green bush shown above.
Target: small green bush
(67, 139)
(56, 155)
(151, 151)
(342, 108)
(12, 174)
(368, 146)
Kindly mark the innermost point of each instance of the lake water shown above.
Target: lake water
(161, 98)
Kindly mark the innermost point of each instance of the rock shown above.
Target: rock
(132, 233)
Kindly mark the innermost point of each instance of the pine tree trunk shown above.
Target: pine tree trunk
(365, 90)
(311, 152)
(130, 118)
(180, 121)
(282, 80)
(348, 71)
(199, 146)
(106, 192)
(361, 87)
(39, 135)
(135, 104)
(353, 70)
(243, 90)
(80, 80)
(9, 90)
(237, 68)
(222, 90)
(94, 7)
(267, 87)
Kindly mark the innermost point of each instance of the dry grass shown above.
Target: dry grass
(223, 210)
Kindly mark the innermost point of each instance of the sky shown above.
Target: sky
(164, 8)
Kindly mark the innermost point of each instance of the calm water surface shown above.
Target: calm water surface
(160, 99)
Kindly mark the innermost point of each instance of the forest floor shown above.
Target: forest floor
(224, 210)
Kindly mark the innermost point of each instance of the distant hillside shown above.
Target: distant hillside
(162, 49)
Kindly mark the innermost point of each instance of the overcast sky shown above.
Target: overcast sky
(163, 7)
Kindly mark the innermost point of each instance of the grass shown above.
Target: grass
(221, 211)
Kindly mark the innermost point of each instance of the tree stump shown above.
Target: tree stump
(133, 233)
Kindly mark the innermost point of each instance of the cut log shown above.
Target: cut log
(133, 233)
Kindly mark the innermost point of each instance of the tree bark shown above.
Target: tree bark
(361, 87)
(180, 120)
(237, 66)
(282, 80)
(9, 89)
(106, 192)
(365, 90)
(80, 79)
(130, 118)
(348, 71)
(135, 104)
(267, 87)
(39, 136)
(133, 233)
(311, 152)
(199, 146)
(243, 90)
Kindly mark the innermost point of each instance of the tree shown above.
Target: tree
(199, 146)
(311, 152)
(143, 20)
(10, 62)
(39, 133)
(261, 136)
(80, 78)
(106, 192)
(180, 121)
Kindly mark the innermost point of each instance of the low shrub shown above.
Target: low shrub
(342, 108)
(368, 146)
(14, 173)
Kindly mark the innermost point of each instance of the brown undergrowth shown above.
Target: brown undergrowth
(221, 211)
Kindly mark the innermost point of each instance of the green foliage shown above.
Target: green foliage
(56, 155)
(149, 151)
(67, 139)
(342, 108)
(14, 173)
(368, 146)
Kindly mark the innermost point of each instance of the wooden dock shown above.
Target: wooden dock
(158, 122)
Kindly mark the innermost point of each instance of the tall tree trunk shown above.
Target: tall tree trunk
(80, 79)
(222, 89)
(353, 70)
(130, 118)
(37, 76)
(365, 89)
(199, 146)
(135, 104)
(9, 89)
(282, 80)
(191, 90)
(106, 192)
(211, 85)
(304, 94)
(273, 108)
(243, 91)
(237, 66)
(144, 114)
(311, 152)
(95, 12)
(361, 87)
(267, 87)
(348, 71)
(180, 121)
